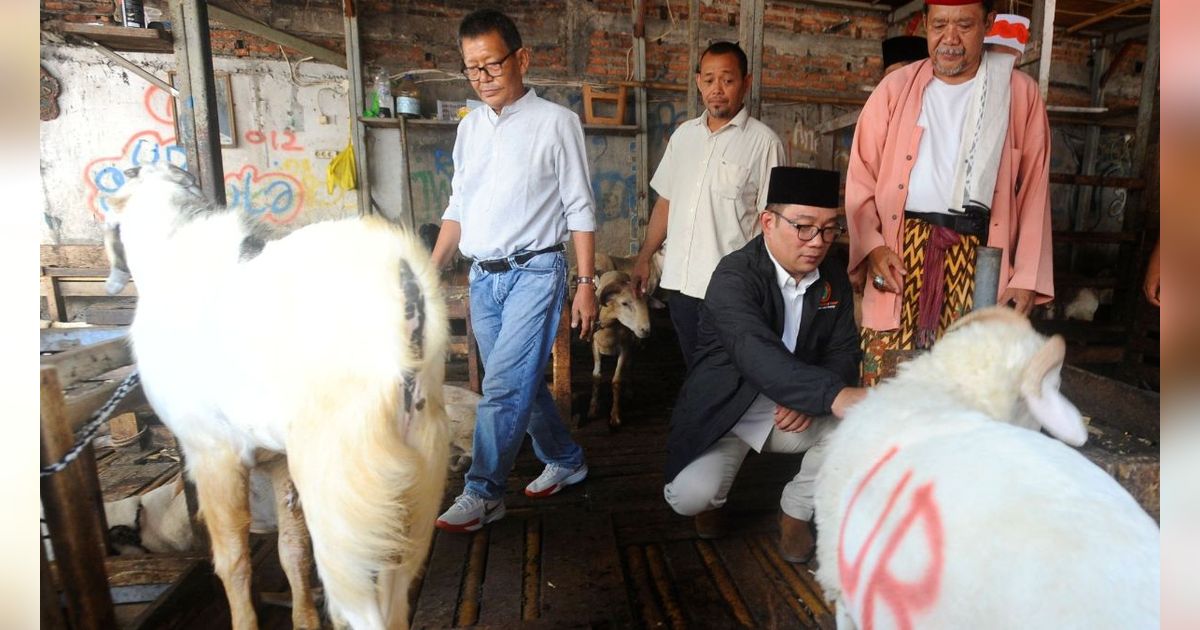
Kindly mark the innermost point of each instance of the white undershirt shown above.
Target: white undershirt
(755, 425)
(943, 112)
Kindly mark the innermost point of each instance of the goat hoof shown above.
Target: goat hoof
(614, 424)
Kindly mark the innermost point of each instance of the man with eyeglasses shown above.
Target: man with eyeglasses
(946, 157)
(520, 186)
(711, 185)
(778, 350)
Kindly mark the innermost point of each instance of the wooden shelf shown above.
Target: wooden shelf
(124, 38)
(394, 123)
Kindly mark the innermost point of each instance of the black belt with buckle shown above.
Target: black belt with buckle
(974, 222)
(500, 265)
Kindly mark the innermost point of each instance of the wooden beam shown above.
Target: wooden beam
(1106, 14)
(84, 363)
(1149, 95)
(72, 518)
(1118, 58)
(320, 53)
(1046, 48)
(839, 122)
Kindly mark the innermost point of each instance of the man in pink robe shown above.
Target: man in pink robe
(888, 144)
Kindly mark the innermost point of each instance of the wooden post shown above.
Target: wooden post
(52, 614)
(357, 95)
(54, 299)
(561, 369)
(1046, 47)
(128, 432)
(70, 516)
(750, 35)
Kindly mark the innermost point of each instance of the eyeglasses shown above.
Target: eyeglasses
(808, 232)
(493, 69)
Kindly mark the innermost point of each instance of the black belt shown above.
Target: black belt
(500, 265)
(973, 222)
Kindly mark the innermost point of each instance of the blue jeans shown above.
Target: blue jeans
(515, 315)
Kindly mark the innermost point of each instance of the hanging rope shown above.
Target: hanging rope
(88, 430)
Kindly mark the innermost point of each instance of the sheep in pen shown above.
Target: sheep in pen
(318, 357)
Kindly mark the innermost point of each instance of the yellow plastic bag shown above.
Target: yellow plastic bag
(342, 171)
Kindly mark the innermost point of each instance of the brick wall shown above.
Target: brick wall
(809, 48)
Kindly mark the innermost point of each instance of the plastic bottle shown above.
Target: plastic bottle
(408, 98)
(383, 91)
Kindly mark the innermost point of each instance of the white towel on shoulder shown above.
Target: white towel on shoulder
(985, 127)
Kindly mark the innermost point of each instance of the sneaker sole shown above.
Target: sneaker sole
(470, 526)
(580, 475)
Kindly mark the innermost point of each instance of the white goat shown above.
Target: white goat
(623, 315)
(939, 505)
(326, 345)
(462, 405)
(154, 522)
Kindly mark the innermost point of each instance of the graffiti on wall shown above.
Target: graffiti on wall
(274, 196)
(106, 175)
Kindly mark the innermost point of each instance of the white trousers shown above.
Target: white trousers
(704, 484)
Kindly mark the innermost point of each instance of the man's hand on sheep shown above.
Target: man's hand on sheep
(583, 309)
(1021, 299)
(884, 263)
(791, 420)
(846, 399)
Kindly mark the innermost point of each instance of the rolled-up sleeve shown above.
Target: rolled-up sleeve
(454, 206)
(574, 182)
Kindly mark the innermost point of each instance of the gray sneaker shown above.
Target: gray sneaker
(469, 513)
(555, 478)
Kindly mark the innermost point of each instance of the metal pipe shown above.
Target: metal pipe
(203, 102)
(987, 276)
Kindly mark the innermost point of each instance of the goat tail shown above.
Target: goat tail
(370, 467)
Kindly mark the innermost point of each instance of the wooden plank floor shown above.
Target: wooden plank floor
(606, 553)
(609, 553)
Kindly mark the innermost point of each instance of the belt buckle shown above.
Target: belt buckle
(495, 266)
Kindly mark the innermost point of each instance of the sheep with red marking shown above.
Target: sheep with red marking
(940, 505)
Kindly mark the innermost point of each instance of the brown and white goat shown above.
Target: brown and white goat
(623, 316)
(318, 356)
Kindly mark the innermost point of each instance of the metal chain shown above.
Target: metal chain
(88, 430)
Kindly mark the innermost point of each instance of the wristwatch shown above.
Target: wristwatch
(585, 280)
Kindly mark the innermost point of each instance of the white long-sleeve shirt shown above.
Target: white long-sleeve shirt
(520, 179)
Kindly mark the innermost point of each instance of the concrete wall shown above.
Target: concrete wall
(111, 120)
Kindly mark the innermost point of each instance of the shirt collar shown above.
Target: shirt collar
(512, 108)
(785, 280)
(738, 120)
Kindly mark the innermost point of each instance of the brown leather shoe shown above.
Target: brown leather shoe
(712, 524)
(797, 540)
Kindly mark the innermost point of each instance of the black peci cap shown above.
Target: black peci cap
(804, 186)
(904, 48)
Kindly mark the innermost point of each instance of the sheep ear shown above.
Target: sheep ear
(1039, 389)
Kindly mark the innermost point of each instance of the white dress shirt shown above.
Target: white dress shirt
(755, 425)
(716, 182)
(943, 113)
(520, 179)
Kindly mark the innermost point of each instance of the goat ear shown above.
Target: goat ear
(118, 269)
(1039, 389)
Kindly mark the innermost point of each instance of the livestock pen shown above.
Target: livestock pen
(607, 553)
